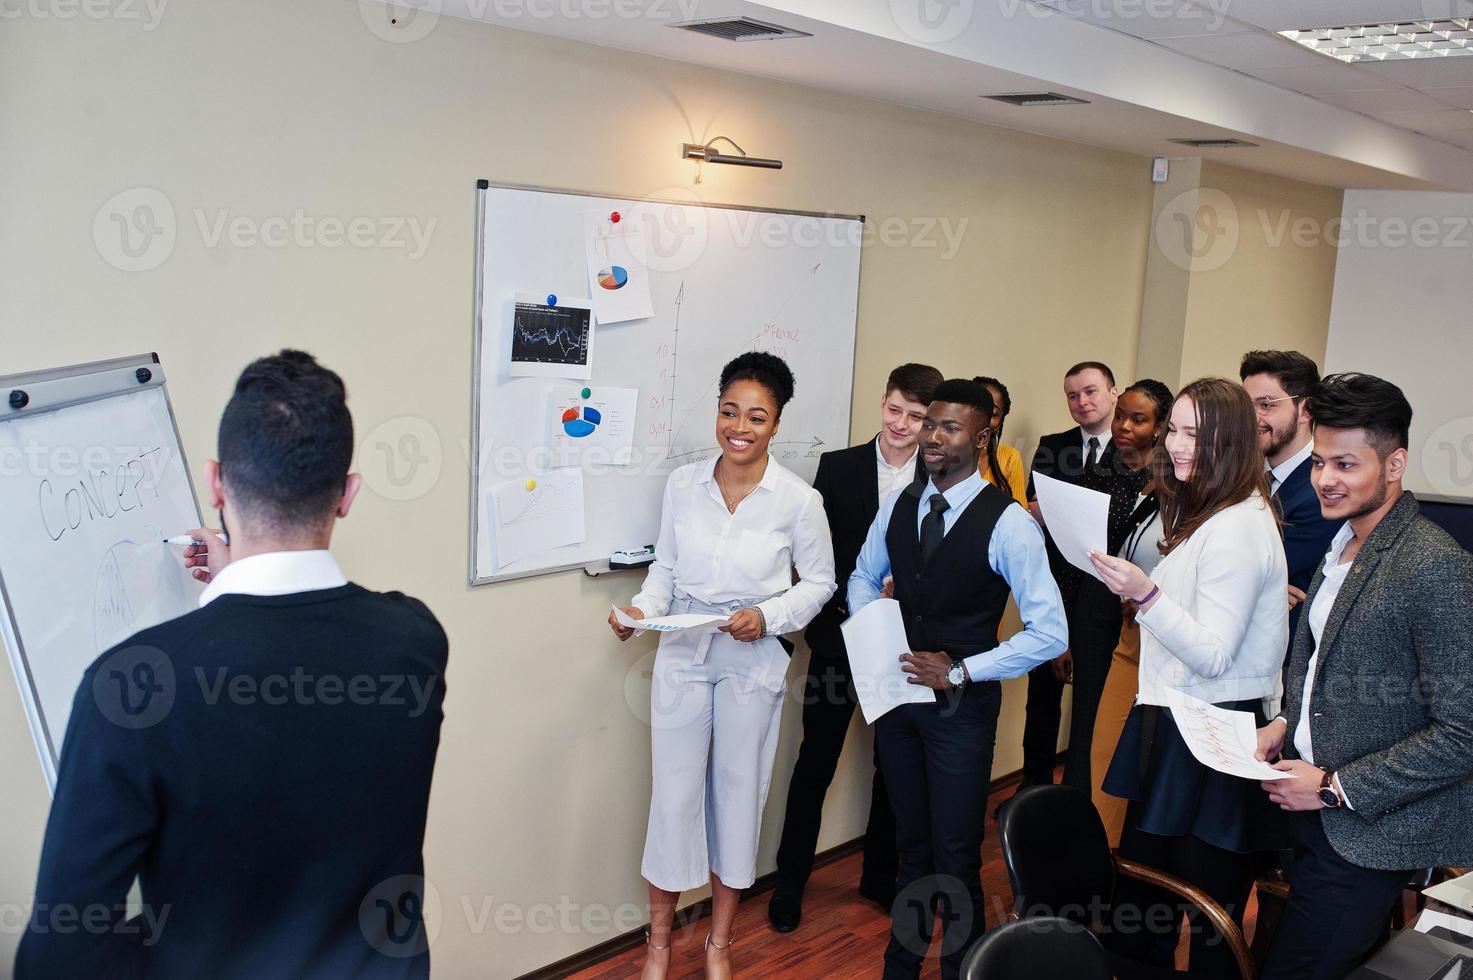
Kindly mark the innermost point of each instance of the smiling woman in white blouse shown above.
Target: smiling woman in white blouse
(732, 531)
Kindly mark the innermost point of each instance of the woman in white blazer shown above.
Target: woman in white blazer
(1214, 625)
(732, 531)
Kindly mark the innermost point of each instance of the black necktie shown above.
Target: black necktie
(933, 528)
(1094, 453)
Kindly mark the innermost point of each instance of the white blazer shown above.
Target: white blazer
(1220, 628)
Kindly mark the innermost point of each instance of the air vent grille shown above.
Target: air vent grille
(1029, 99)
(1212, 144)
(739, 29)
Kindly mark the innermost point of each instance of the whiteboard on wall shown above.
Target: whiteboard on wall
(92, 479)
(1403, 291)
(722, 280)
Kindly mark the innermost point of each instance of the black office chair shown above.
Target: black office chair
(1059, 863)
(1030, 949)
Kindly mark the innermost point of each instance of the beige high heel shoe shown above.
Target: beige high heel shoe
(650, 971)
(725, 973)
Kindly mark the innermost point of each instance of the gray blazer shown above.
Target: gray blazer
(1392, 710)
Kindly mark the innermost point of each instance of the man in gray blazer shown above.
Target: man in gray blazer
(1377, 726)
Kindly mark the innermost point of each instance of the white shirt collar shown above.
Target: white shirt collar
(909, 464)
(276, 573)
(1337, 545)
(1281, 472)
(1101, 441)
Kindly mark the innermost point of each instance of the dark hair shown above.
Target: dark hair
(1158, 393)
(993, 467)
(1296, 374)
(1007, 400)
(1366, 402)
(916, 382)
(286, 440)
(1228, 465)
(960, 391)
(768, 370)
(1099, 366)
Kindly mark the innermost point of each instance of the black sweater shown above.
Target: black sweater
(263, 766)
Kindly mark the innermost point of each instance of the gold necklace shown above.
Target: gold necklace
(726, 497)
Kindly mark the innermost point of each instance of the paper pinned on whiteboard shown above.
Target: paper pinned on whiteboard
(591, 425)
(551, 341)
(529, 516)
(618, 280)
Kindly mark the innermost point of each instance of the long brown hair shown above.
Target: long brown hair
(1228, 465)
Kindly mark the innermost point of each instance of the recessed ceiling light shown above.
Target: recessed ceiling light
(1444, 38)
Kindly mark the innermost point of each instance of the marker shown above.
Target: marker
(185, 540)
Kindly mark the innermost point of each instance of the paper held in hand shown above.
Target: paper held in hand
(671, 624)
(1220, 739)
(1077, 518)
(875, 640)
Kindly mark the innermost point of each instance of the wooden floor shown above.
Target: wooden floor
(842, 935)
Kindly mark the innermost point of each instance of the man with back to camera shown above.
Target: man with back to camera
(1377, 725)
(1071, 455)
(1280, 384)
(852, 482)
(270, 793)
(955, 546)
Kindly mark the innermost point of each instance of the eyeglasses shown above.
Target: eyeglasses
(1265, 405)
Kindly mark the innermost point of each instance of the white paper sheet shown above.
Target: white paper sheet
(1457, 893)
(596, 429)
(1220, 739)
(527, 521)
(1078, 519)
(875, 639)
(551, 341)
(617, 278)
(1430, 920)
(678, 623)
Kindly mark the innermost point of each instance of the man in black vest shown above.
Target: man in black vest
(262, 764)
(1072, 455)
(955, 545)
(852, 481)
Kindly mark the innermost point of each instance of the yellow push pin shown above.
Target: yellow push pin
(531, 485)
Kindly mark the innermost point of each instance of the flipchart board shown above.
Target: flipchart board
(92, 480)
(577, 422)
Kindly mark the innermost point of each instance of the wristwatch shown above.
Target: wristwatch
(1328, 796)
(957, 675)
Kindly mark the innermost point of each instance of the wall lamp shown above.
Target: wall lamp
(704, 154)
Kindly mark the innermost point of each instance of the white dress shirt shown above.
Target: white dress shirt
(1278, 474)
(1319, 615)
(1220, 626)
(1101, 441)
(276, 573)
(718, 557)
(894, 478)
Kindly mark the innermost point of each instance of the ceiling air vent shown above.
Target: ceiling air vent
(739, 29)
(1213, 144)
(1037, 98)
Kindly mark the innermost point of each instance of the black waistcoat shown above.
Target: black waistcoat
(956, 604)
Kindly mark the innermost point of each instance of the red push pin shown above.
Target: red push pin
(615, 216)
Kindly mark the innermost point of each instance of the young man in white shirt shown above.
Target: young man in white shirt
(852, 482)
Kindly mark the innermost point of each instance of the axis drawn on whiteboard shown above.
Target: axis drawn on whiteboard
(770, 329)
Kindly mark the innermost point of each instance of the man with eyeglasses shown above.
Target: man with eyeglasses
(1280, 382)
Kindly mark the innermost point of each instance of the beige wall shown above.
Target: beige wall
(262, 108)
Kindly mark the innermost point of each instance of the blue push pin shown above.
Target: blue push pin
(551, 299)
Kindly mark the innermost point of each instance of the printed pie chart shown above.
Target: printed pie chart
(614, 277)
(581, 422)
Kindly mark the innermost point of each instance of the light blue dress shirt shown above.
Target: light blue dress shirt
(1015, 551)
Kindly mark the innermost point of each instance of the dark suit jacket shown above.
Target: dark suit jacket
(1061, 456)
(849, 484)
(1307, 534)
(1391, 711)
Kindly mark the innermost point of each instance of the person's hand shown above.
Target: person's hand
(888, 590)
(1063, 667)
(205, 561)
(1296, 596)
(1271, 740)
(1120, 576)
(625, 632)
(745, 625)
(1301, 791)
(927, 669)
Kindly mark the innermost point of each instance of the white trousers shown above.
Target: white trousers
(715, 714)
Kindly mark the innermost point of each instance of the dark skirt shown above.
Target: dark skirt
(1177, 796)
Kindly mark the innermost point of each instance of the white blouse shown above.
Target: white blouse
(720, 558)
(1220, 627)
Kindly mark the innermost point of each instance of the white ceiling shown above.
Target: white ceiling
(1152, 70)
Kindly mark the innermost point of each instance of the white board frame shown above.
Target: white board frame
(51, 390)
(476, 352)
